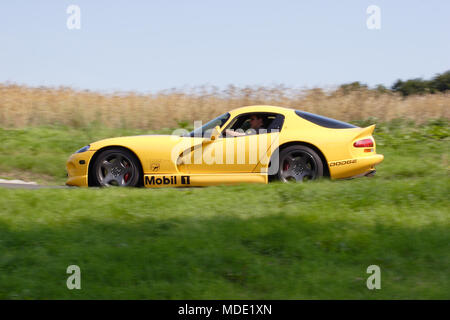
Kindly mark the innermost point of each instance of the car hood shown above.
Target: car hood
(141, 141)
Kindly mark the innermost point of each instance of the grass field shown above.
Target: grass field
(276, 241)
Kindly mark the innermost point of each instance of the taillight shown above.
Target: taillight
(364, 143)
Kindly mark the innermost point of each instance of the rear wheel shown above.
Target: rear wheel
(116, 167)
(298, 164)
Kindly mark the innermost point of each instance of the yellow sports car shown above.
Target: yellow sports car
(255, 144)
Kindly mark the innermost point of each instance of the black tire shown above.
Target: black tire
(299, 163)
(116, 167)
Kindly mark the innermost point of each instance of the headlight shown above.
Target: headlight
(86, 148)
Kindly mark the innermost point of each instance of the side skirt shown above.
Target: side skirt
(201, 180)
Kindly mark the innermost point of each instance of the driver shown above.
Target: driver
(256, 123)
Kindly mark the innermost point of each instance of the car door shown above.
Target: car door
(239, 154)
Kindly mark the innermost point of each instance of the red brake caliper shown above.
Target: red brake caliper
(127, 175)
(285, 166)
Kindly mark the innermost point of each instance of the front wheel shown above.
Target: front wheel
(116, 167)
(298, 164)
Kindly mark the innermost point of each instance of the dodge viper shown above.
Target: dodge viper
(254, 144)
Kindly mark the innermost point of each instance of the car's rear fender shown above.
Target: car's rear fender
(297, 143)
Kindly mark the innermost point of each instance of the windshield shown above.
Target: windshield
(205, 130)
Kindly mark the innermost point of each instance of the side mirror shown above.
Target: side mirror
(215, 133)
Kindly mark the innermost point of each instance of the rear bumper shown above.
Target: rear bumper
(353, 168)
(369, 174)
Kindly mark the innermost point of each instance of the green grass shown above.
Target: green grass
(277, 241)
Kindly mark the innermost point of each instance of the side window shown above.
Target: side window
(276, 124)
(255, 123)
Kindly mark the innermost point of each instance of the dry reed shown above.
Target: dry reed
(22, 106)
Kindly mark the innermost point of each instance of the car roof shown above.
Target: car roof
(262, 108)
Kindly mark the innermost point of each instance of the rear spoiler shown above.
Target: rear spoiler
(367, 131)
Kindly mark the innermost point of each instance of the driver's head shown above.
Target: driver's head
(256, 121)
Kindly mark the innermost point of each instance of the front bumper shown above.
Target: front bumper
(77, 168)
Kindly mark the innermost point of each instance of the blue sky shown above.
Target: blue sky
(153, 45)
